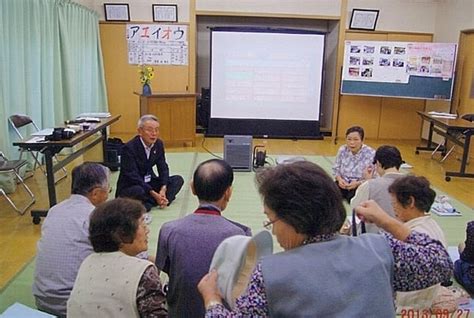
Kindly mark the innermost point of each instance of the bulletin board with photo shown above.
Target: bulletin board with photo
(399, 69)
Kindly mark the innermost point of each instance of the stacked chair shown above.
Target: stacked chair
(12, 168)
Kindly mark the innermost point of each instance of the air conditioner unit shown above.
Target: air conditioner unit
(238, 152)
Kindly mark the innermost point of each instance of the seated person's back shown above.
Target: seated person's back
(186, 246)
(464, 266)
(112, 281)
(64, 241)
(387, 161)
(321, 273)
(412, 198)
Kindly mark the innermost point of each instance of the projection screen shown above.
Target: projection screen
(266, 82)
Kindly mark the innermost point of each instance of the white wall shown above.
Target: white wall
(444, 18)
(452, 16)
(400, 15)
(140, 10)
(304, 7)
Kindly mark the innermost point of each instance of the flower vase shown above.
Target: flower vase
(146, 89)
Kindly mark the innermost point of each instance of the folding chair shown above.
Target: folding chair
(18, 121)
(13, 166)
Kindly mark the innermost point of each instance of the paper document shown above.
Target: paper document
(43, 132)
(35, 139)
(446, 213)
(442, 115)
(89, 119)
(20, 310)
(99, 115)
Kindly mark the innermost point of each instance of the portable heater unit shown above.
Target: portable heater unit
(238, 152)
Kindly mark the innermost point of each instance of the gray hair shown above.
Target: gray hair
(88, 176)
(145, 118)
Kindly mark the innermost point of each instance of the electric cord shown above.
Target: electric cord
(207, 150)
(273, 162)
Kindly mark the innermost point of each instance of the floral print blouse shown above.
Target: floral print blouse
(413, 269)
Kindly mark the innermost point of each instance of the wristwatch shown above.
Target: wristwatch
(212, 303)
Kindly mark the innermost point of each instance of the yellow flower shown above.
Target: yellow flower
(146, 73)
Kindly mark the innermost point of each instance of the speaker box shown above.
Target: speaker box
(204, 108)
(238, 152)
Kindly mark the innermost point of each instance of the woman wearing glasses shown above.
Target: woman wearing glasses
(112, 282)
(321, 273)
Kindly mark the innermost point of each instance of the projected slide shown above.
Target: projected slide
(266, 75)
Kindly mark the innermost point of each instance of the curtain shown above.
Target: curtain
(50, 64)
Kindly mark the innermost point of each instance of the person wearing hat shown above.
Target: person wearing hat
(322, 273)
(387, 161)
(186, 246)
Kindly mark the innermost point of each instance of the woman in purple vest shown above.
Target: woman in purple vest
(322, 273)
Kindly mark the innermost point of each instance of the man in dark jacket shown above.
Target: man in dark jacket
(137, 179)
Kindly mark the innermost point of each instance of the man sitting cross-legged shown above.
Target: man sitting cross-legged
(186, 246)
(137, 179)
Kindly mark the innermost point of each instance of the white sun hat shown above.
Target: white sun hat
(235, 259)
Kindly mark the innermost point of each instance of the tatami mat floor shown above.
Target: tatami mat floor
(16, 270)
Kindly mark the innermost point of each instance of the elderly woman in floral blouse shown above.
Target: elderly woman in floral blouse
(322, 273)
(353, 163)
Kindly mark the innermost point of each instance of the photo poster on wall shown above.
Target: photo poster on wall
(157, 44)
(399, 69)
(266, 82)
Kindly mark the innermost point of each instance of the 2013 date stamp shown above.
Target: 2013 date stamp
(441, 313)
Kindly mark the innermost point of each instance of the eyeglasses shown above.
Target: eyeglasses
(109, 189)
(151, 130)
(142, 223)
(268, 224)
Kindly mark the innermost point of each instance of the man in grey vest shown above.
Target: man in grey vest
(64, 241)
(387, 161)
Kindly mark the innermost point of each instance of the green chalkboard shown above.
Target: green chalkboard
(417, 87)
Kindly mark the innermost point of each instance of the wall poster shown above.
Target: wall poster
(157, 44)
